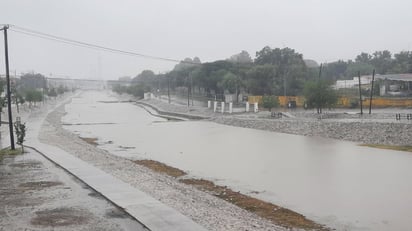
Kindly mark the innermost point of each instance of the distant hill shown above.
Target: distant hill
(311, 63)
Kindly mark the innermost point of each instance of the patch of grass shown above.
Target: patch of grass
(8, 151)
(160, 167)
(278, 215)
(390, 147)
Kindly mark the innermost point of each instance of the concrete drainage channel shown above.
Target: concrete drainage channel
(156, 112)
(151, 213)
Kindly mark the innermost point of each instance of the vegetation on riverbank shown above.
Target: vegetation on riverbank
(276, 214)
(405, 148)
(160, 167)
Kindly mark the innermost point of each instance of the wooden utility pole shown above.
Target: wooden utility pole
(360, 94)
(6, 53)
(188, 92)
(370, 100)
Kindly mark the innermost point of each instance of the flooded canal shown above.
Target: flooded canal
(336, 183)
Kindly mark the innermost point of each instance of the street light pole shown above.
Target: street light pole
(6, 53)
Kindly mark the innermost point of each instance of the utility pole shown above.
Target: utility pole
(168, 88)
(360, 94)
(6, 53)
(188, 92)
(319, 107)
(191, 87)
(320, 71)
(370, 100)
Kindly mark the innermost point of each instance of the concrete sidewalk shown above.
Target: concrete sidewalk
(147, 210)
(144, 208)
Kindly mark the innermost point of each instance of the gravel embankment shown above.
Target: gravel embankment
(366, 132)
(378, 128)
(205, 209)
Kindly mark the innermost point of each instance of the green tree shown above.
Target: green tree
(138, 90)
(18, 99)
(61, 90)
(290, 69)
(382, 61)
(52, 92)
(319, 94)
(242, 57)
(260, 80)
(353, 69)
(363, 58)
(270, 101)
(20, 129)
(402, 62)
(335, 70)
(33, 96)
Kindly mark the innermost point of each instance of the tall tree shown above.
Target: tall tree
(363, 58)
(382, 61)
(290, 69)
(402, 62)
(319, 94)
(242, 57)
(260, 80)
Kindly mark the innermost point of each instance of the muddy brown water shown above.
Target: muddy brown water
(35, 194)
(333, 182)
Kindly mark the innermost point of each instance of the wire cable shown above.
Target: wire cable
(42, 35)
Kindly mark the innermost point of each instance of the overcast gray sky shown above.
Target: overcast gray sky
(323, 30)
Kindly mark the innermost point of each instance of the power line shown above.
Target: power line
(42, 35)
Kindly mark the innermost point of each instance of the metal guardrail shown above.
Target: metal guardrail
(400, 116)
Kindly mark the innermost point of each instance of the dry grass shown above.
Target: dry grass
(390, 147)
(91, 141)
(160, 167)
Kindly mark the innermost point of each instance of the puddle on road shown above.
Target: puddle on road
(38, 185)
(60, 217)
(78, 124)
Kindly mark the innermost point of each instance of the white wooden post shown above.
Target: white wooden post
(230, 107)
(223, 107)
(214, 106)
(256, 107)
(209, 104)
(247, 106)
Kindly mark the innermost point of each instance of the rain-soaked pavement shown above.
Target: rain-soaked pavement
(35, 194)
(337, 183)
